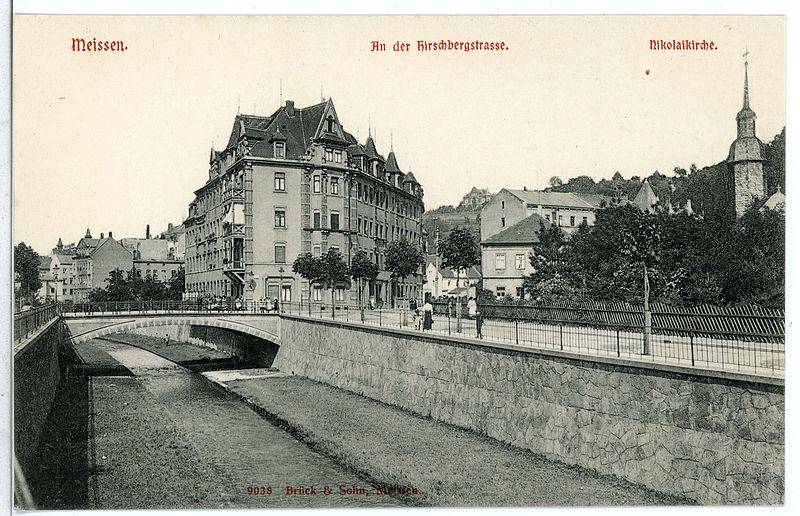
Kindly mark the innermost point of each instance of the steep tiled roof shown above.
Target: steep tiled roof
(369, 148)
(356, 150)
(525, 231)
(565, 199)
(391, 163)
(646, 198)
(471, 273)
(409, 178)
(44, 262)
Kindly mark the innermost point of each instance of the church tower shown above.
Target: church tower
(746, 156)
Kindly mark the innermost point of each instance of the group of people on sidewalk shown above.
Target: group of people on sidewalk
(425, 319)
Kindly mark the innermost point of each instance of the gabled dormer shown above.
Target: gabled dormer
(329, 130)
(278, 141)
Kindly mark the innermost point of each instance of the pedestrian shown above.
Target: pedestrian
(262, 305)
(275, 305)
(166, 338)
(238, 303)
(472, 308)
(450, 308)
(427, 316)
(479, 325)
(372, 302)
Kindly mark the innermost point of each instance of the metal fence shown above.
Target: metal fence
(170, 307)
(748, 340)
(743, 339)
(27, 322)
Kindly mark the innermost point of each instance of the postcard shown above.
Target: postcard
(398, 261)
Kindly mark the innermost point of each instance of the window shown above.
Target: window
(335, 185)
(280, 150)
(317, 184)
(317, 251)
(501, 291)
(339, 294)
(280, 218)
(502, 222)
(547, 218)
(286, 293)
(520, 293)
(502, 205)
(280, 253)
(317, 292)
(337, 156)
(316, 220)
(280, 182)
(560, 220)
(500, 261)
(334, 220)
(585, 220)
(519, 262)
(329, 155)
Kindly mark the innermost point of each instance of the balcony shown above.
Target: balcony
(233, 265)
(233, 193)
(229, 229)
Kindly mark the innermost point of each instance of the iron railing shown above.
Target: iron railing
(742, 340)
(747, 340)
(27, 322)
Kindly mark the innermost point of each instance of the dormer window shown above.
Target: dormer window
(337, 156)
(329, 122)
(329, 155)
(280, 150)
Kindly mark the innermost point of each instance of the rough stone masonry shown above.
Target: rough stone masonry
(714, 440)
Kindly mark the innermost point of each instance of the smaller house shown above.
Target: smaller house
(505, 259)
(442, 282)
(776, 201)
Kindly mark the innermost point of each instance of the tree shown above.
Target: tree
(26, 273)
(403, 259)
(176, 285)
(555, 182)
(333, 269)
(308, 267)
(362, 268)
(329, 268)
(459, 251)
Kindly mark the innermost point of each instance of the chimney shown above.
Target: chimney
(110, 234)
(147, 233)
(169, 226)
(102, 236)
(524, 188)
(290, 107)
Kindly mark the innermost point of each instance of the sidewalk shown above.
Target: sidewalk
(447, 465)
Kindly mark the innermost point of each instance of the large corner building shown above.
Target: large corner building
(291, 183)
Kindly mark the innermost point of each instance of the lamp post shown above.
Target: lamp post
(280, 288)
(55, 277)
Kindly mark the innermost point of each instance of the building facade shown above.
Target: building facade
(476, 198)
(176, 236)
(94, 260)
(746, 157)
(505, 256)
(567, 210)
(154, 257)
(291, 183)
(442, 282)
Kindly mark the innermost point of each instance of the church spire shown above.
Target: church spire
(746, 118)
(746, 100)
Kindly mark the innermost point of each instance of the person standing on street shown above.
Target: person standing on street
(472, 308)
(427, 316)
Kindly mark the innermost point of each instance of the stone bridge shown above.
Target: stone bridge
(83, 327)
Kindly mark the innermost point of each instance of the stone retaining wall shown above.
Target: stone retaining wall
(710, 439)
(36, 379)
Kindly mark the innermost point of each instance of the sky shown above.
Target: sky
(116, 141)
